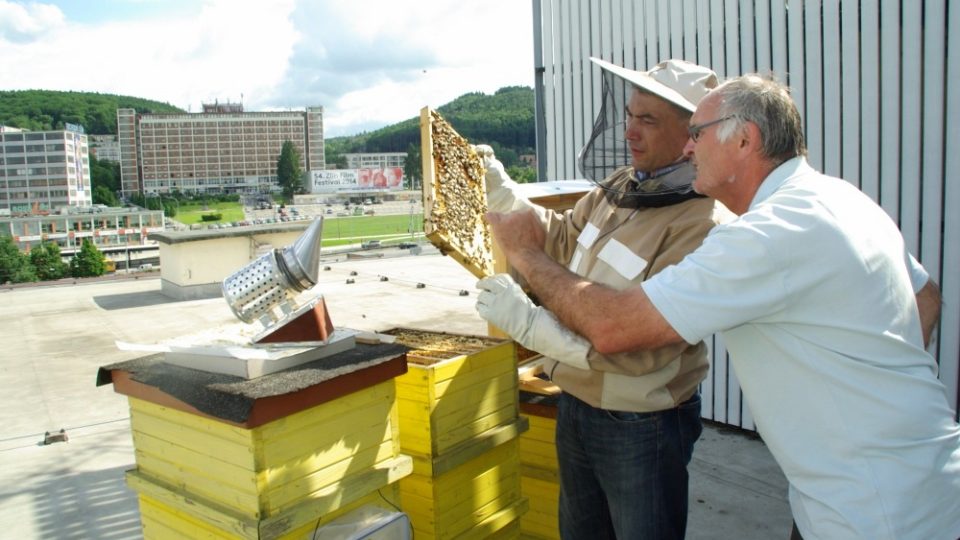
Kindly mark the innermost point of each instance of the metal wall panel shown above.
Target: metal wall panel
(873, 79)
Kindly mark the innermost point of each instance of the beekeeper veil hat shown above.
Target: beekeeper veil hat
(679, 82)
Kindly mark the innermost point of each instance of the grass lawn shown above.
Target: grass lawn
(388, 229)
(188, 214)
(337, 231)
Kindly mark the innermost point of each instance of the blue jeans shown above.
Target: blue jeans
(624, 474)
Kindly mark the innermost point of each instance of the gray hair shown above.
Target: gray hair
(766, 103)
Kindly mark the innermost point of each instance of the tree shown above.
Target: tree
(289, 172)
(413, 166)
(105, 178)
(88, 262)
(13, 263)
(46, 261)
(102, 195)
(522, 175)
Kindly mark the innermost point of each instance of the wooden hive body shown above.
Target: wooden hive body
(270, 480)
(540, 477)
(459, 420)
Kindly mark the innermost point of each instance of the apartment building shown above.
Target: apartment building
(223, 150)
(43, 170)
(105, 147)
(380, 160)
(108, 228)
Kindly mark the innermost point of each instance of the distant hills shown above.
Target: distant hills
(42, 110)
(503, 120)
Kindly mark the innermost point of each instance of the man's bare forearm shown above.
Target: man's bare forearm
(928, 303)
(613, 321)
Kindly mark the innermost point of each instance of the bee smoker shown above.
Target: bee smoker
(264, 290)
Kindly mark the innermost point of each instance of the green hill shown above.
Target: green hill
(49, 109)
(503, 120)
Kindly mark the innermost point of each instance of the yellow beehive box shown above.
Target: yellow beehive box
(455, 389)
(540, 479)
(473, 500)
(166, 514)
(264, 471)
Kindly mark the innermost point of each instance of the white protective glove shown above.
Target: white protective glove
(500, 187)
(503, 303)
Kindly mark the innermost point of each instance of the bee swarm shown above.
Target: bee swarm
(455, 197)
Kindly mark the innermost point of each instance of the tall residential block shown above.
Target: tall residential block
(41, 171)
(222, 151)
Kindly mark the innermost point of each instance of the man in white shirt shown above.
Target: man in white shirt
(821, 309)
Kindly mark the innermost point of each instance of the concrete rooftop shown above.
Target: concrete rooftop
(53, 339)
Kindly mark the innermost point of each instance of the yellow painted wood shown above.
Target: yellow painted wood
(200, 424)
(492, 517)
(412, 388)
(498, 525)
(287, 495)
(458, 500)
(157, 454)
(544, 475)
(164, 522)
(540, 479)
(184, 506)
(332, 498)
(443, 403)
(414, 434)
(170, 509)
(541, 429)
(161, 523)
(541, 520)
(469, 449)
(324, 412)
(511, 531)
(244, 502)
(452, 438)
(474, 361)
(481, 397)
(192, 431)
(353, 431)
(538, 453)
(258, 472)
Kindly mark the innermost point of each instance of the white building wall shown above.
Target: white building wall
(877, 82)
(43, 170)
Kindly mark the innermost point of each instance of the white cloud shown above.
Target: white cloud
(368, 62)
(24, 23)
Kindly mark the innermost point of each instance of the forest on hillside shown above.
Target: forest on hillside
(503, 120)
(43, 110)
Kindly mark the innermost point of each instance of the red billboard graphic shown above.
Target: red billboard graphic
(385, 178)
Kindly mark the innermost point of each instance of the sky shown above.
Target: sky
(369, 63)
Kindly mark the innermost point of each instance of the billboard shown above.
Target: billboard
(384, 178)
(333, 181)
(367, 179)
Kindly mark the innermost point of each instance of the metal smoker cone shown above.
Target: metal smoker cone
(299, 264)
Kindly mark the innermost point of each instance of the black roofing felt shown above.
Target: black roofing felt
(230, 397)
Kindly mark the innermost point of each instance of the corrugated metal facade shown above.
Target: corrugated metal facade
(877, 82)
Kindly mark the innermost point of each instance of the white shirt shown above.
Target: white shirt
(811, 289)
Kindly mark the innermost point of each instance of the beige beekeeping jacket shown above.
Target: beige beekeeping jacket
(621, 247)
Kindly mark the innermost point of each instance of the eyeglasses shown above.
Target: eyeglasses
(697, 129)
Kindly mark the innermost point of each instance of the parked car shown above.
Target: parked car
(370, 244)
